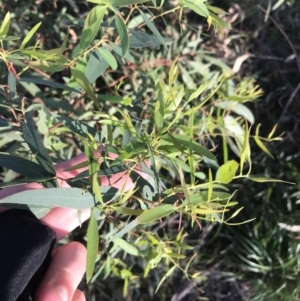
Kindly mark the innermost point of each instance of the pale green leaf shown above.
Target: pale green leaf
(30, 35)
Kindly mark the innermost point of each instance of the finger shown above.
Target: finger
(78, 296)
(65, 220)
(64, 274)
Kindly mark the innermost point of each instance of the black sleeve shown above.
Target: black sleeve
(25, 253)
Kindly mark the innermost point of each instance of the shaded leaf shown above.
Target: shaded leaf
(197, 6)
(129, 227)
(126, 2)
(48, 83)
(12, 85)
(21, 166)
(36, 145)
(84, 83)
(139, 39)
(110, 59)
(79, 128)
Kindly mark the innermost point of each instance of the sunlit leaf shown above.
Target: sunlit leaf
(127, 247)
(5, 26)
(227, 171)
(30, 35)
(149, 216)
(122, 31)
(92, 246)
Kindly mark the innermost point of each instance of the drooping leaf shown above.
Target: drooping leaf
(197, 6)
(84, 83)
(89, 33)
(110, 59)
(152, 27)
(139, 39)
(92, 246)
(96, 65)
(25, 181)
(36, 145)
(12, 85)
(129, 227)
(122, 31)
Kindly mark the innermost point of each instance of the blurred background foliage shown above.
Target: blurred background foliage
(259, 260)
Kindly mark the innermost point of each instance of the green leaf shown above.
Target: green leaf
(48, 83)
(96, 65)
(127, 247)
(159, 109)
(25, 181)
(110, 59)
(84, 83)
(52, 197)
(152, 28)
(126, 2)
(122, 31)
(88, 35)
(260, 143)
(5, 26)
(80, 128)
(47, 66)
(237, 108)
(30, 35)
(125, 230)
(265, 180)
(156, 213)
(139, 39)
(197, 6)
(226, 172)
(97, 13)
(168, 274)
(12, 85)
(117, 49)
(36, 145)
(184, 143)
(92, 246)
(21, 166)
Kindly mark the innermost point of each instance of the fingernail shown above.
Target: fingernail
(62, 292)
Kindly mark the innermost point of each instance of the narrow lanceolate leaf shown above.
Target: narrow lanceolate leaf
(227, 171)
(127, 247)
(110, 59)
(24, 167)
(80, 128)
(12, 85)
(54, 197)
(155, 214)
(84, 83)
(122, 31)
(92, 246)
(197, 6)
(184, 143)
(5, 26)
(168, 274)
(36, 145)
(30, 34)
(152, 27)
(260, 143)
(126, 2)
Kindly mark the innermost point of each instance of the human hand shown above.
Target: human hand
(68, 263)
